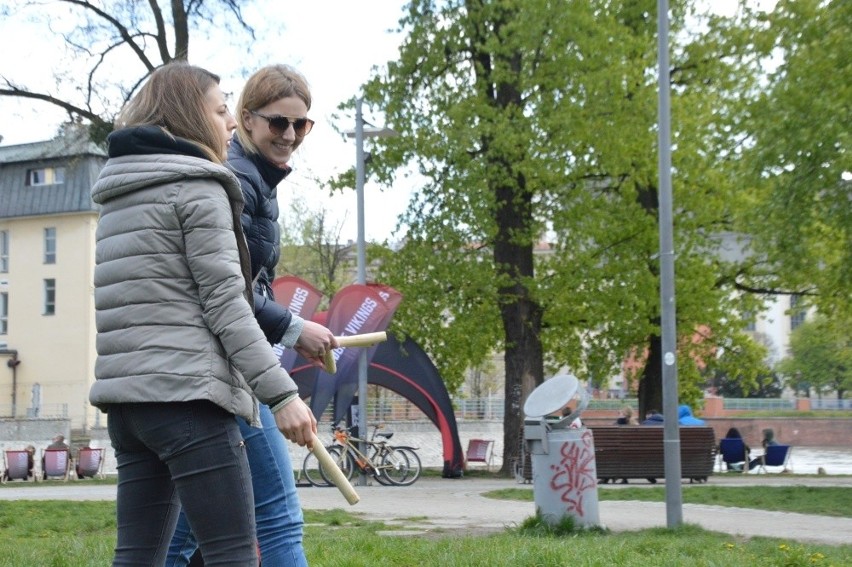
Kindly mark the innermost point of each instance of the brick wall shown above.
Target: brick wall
(803, 432)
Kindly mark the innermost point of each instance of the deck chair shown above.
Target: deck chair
(732, 452)
(480, 451)
(56, 464)
(16, 466)
(775, 456)
(90, 462)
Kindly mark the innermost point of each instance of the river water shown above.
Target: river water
(807, 460)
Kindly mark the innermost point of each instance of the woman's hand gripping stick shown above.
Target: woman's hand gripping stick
(364, 340)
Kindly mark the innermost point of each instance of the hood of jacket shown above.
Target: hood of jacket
(685, 417)
(131, 167)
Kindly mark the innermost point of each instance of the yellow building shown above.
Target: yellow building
(47, 243)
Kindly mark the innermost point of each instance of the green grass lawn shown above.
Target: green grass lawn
(822, 500)
(79, 534)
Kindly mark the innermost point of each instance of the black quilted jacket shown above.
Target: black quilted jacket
(259, 179)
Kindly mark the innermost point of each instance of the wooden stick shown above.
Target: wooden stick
(329, 362)
(336, 476)
(365, 340)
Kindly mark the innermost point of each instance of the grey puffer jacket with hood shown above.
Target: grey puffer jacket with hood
(172, 282)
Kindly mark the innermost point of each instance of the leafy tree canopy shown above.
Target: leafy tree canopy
(820, 356)
(534, 125)
(799, 163)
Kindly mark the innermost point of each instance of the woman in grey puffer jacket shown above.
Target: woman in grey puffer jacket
(179, 350)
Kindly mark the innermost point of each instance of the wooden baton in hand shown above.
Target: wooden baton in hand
(364, 340)
(334, 473)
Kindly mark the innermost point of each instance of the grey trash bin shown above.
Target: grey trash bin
(563, 453)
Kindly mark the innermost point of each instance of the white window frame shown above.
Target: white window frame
(4, 312)
(797, 316)
(49, 296)
(4, 251)
(40, 176)
(50, 245)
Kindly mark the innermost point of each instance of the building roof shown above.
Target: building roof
(72, 150)
(72, 143)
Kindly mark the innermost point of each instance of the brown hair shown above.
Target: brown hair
(267, 85)
(174, 99)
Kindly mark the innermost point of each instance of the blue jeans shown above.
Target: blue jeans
(277, 507)
(175, 455)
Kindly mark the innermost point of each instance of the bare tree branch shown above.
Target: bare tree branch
(96, 45)
(67, 106)
(161, 30)
(120, 28)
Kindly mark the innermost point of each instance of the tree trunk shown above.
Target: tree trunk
(651, 382)
(524, 367)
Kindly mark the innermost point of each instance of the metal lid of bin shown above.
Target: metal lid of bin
(553, 395)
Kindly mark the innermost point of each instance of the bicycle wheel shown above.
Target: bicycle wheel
(401, 467)
(379, 474)
(344, 461)
(311, 470)
(414, 466)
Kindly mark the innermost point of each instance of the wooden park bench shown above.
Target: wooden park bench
(625, 452)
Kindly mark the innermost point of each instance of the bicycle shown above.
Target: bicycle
(389, 465)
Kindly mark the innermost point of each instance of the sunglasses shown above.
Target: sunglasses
(279, 124)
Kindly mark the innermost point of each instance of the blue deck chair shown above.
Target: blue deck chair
(776, 456)
(732, 452)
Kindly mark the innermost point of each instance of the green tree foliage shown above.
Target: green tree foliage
(820, 356)
(533, 125)
(118, 44)
(800, 159)
(769, 385)
(743, 371)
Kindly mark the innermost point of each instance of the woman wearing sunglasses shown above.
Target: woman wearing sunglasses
(271, 123)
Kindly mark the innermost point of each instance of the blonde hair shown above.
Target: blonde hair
(174, 98)
(265, 86)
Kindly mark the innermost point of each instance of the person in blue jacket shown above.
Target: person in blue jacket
(685, 417)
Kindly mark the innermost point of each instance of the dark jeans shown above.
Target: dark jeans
(173, 454)
(277, 508)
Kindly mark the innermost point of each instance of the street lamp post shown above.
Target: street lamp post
(671, 435)
(359, 134)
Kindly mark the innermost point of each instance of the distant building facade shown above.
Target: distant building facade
(47, 243)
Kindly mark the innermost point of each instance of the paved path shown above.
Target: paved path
(458, 504)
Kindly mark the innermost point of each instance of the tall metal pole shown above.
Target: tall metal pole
(362, 276)
(671, 435)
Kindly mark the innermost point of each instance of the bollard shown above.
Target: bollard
(563, 453)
